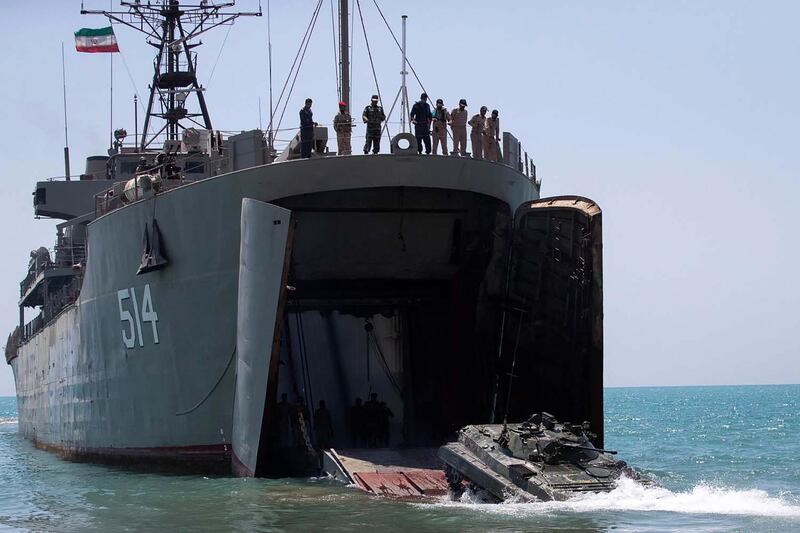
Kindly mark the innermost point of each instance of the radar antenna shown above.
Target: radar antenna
(170, 25)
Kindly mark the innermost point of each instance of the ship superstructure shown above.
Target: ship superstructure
(189, 292)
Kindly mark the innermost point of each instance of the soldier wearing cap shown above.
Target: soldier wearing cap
(343, 126)
(441, 118)
(421, 118)
(373, 116)
(478, 124)
(491, 137)
(458, 123)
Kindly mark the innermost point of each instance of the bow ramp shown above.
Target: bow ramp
(392, 472)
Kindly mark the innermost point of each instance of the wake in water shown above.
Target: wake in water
(7, 421)
(631, 496)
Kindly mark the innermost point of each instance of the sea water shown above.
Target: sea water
(727, 459)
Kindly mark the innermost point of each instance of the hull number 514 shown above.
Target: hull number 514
(132, 324)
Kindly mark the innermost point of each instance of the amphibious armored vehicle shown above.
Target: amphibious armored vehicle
(540, 459)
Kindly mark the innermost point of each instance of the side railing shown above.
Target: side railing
(115, 196)
(65, 256)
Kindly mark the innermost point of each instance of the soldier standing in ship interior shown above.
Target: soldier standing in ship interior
(283, 423)
(478, 124)
(323, 426)
(357, 423)
(373, 116)
(458, 123)
(372, 420)
(343, 126)
(491, 137)
(306, 130)
(441, 118)
(421, 118)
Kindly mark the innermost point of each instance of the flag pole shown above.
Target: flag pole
(66, 131)
(111, 106)
(111, 95)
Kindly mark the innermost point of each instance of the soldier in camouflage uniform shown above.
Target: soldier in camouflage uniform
(478, 124)
(373, 116)
(458, 123)
(441, 118)
(343, 126)
(491, 137)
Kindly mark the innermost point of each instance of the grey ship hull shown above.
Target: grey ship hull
(84, 393)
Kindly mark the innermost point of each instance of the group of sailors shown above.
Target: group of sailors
(164, 167)
(369, 424)
(484, 133)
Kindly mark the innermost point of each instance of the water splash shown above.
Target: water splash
(631, 496)
(8, 421)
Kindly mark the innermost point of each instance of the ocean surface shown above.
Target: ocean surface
(728, 459)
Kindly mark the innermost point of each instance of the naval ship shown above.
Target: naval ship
(199, 279)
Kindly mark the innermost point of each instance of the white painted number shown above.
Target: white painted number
(128, 337)
(148, 313)
(132, 331)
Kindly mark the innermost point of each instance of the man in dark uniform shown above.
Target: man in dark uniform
(372, 420)
(373, 116)
(323, 426)
(306, 130)
(421, 116)
(357, 423)
(283, 414)
(142, 166)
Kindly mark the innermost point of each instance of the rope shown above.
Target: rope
(133, 83)
(335, 55)
(299, 50)
(208, 394)
(297, 71)
(371, 63)
(221, 48)
(386, 368)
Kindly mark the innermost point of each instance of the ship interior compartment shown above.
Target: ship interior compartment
(396, 297)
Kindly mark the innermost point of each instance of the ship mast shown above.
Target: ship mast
(344, 53)
(170, 25)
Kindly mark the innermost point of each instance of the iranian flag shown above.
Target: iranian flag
(99, 40)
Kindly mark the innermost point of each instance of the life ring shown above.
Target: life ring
(412, 144)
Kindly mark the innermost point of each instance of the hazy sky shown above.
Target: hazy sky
(679, 118)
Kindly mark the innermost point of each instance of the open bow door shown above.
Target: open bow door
(551, 356)
(265, 251)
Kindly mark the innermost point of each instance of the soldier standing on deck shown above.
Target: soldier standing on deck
(458, 123)
(373, 116)
(306, 130)
(478, 124)
(421, 118)
(343, 126)
(491, 137)
(441, 118)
